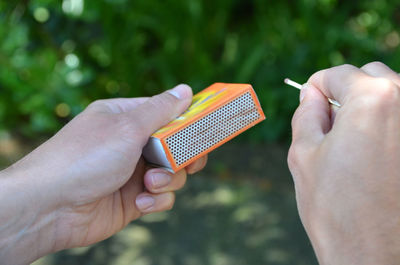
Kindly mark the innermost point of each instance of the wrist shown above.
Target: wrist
(354, 248)
(27, 223)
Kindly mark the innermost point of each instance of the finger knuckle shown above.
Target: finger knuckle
(386, 86)
(347, 67)
(373, 65)
(384, 94)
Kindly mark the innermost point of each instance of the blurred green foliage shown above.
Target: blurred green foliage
(57, 56)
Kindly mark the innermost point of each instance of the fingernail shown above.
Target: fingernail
(159, 180)
(303, 91)
(144, 202)
(181, 91)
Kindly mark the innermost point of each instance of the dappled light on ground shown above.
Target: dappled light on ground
(224, 216)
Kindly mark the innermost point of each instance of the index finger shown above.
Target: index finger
(337, 82)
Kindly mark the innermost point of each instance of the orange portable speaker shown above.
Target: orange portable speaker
(217, 114)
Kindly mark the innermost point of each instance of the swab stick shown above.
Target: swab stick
(298, 86)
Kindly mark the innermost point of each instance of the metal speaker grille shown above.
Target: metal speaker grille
(212, 129)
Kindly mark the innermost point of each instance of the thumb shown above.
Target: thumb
(311, 120)
(159, 110)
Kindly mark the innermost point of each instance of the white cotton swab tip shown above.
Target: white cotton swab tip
(298, 86)
(292, 83)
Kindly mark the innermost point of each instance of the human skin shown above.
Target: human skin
(345, 166)
(89, 181)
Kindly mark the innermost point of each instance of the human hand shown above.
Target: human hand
(346, 170)
(89, 181)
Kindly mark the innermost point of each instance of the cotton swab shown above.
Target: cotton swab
(298, 86)
(292, 83)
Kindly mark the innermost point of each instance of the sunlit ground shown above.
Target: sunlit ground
(240, 210)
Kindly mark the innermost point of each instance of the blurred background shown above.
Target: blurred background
(58, 56)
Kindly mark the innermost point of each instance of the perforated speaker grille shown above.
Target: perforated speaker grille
(213, 128)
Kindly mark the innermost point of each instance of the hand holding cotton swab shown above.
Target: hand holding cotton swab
(298, 86)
